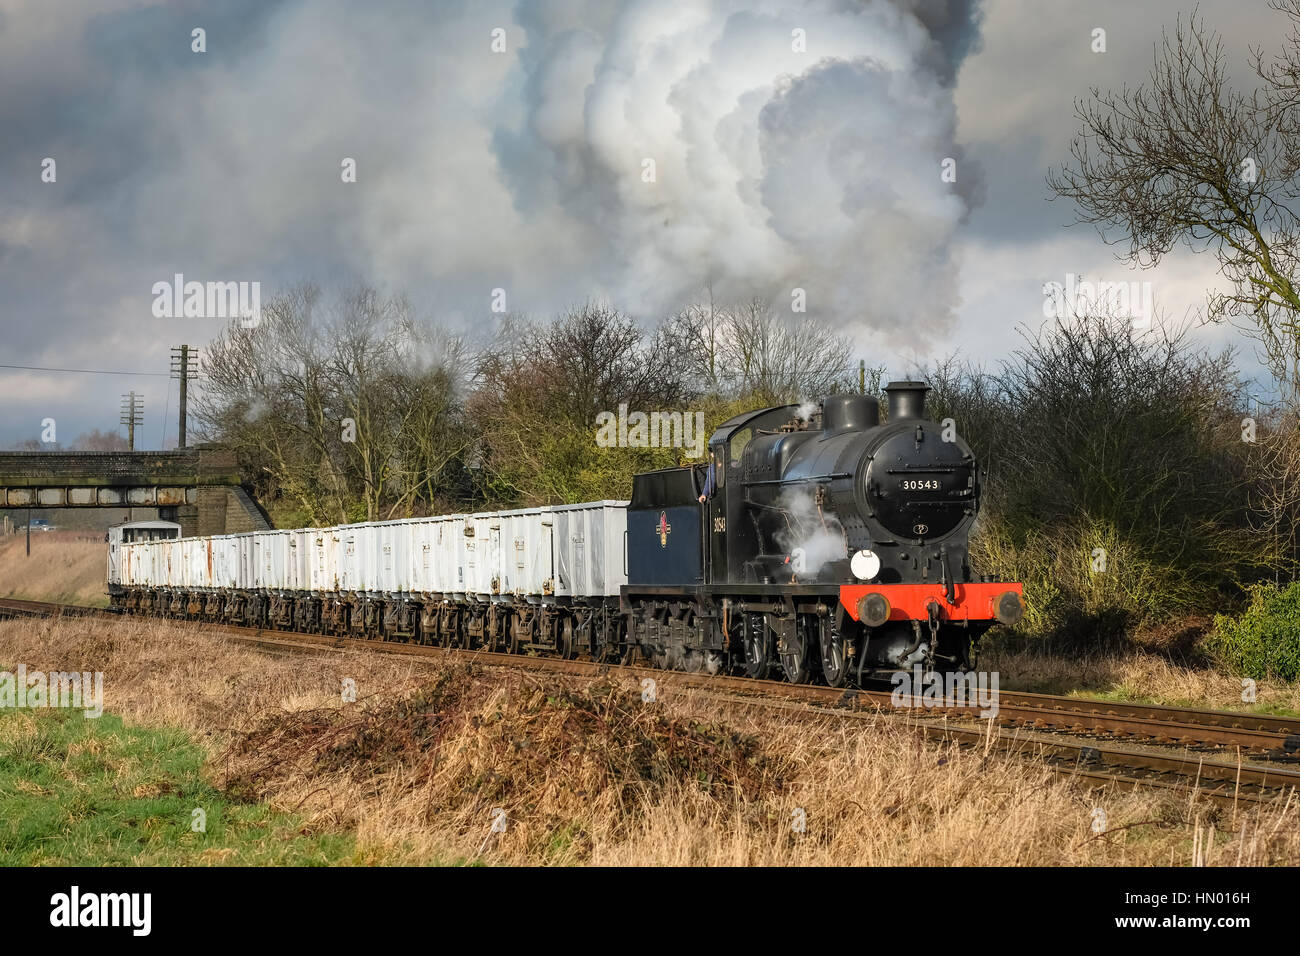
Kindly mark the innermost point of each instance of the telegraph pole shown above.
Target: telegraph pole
(132, 415)
(184, 365)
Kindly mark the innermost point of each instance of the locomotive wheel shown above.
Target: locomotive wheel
(794, 662)
(758, 646)
(835, 668)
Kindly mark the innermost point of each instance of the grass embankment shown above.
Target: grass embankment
(64, 566)
(1141, 676)
(78, 791)
(447, 762)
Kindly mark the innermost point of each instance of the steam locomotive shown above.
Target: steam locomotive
(817, 543)
(830, 542)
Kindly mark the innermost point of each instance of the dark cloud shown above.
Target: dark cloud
(954, 26)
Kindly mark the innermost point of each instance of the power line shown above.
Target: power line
(79, 371)
(162, 438)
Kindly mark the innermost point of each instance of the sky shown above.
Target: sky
(532, 156)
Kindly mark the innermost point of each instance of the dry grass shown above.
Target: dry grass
(1136, 675)
(587, 773)
(64, 566)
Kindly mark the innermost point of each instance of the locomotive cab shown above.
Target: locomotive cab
(674, 538)
(732, 539)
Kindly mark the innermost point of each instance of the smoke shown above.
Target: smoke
(775, 167)
(811, 538)
(255, 409)
(797, 144)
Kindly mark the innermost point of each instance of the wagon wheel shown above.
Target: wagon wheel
(758, 646)
(601, 637)
(628, 640)
(835, 668)
(516, 645)
(568, 641)
(794, 657)
(498, 636)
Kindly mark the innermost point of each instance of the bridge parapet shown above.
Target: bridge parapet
(196, 483)
(197, 466)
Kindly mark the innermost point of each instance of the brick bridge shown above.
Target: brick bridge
(198, 487)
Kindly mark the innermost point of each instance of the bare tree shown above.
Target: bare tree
(431, 382)
(539, 390)
(1186, 159)
(265, 394)
(697, 334)
(95, 440)
(1128, 432)
(604, 358)
(344, 406)
(364, 350)
(748, 350)
(1276, 495)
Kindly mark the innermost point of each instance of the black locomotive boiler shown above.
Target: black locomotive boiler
(827, 541)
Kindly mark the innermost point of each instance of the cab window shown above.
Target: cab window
(738, 443)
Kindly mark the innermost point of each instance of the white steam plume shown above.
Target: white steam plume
(776, 168)
(811, 538)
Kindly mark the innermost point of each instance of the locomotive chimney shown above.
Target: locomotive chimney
(906, 400)
(848, 413)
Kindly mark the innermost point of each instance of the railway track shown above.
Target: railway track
(1226, 756)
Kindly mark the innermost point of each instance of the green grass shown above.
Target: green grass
(1126, 695)
(1101, 687)
(95, 792)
